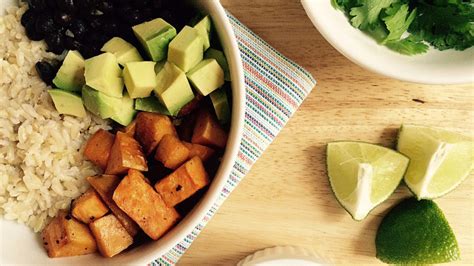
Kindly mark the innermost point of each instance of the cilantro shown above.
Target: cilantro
(444, 24)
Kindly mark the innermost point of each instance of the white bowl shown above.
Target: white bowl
(434, 67)
(19, 245)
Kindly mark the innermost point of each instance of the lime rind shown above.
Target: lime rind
(440, 160)
(416, 233)
(358, 202)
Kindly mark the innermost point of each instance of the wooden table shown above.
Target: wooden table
(286, 199)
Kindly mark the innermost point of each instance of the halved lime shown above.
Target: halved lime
(439, 160)
(363, 175)
(415, 233)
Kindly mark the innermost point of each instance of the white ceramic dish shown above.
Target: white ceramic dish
(434, 67)
(19, 245)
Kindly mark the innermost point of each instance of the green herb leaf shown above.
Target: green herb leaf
(368, 12)
(408, 46)
(398, 20)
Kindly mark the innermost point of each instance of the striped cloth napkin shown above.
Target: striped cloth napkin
(275, 88)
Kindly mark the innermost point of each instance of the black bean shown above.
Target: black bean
(51, 4)
(45, 24)
(89, 51)
(106, 6)
(134, 17)
(71, 43)
(110, 27)
(141, 4)
(66, 5)
(78, 28)
(124, 11)
(37, 5)
(62, 18)
(28, 18)
(55, 43)
(97, 22)
(157, 4)
(45, 71)
(32, 33)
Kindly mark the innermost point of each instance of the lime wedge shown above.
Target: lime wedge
(416, 232)
(363, 175)
(439, 160)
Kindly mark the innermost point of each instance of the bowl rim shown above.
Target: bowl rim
(155, 249)
(380, 67)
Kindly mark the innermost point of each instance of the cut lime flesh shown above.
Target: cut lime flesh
(439, 160)
(363, 175)
(416, 232)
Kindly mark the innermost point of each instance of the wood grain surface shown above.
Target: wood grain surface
(286, 199)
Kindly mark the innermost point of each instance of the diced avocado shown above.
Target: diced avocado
(151, 104)
(185, 50)
(173, 88)
(159, 66)
(220, 58)
(221, 105)
(124, 112)
(67, 103)
(155, 36)
(207, 76)
(100, 103)
(123, 51)
(103, 73)
(70, 76)
(204, 29)
(140, 78)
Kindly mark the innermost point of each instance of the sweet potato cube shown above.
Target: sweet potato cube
(105, 186)
(111, 236)
(171, 152)
(146, 207)
(130, 129)
(64, 236)
(88, 207)
(98, 148)
(208, 131)
(201, 151)
(183, 182)
(151, 128)
(126, 154)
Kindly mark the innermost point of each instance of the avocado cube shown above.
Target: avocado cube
(140, 78)
(204, 29)
(207, 76)
(124, 112)
(220, 58)
(221, 105)
(67, 103)
(123, 51)
(70, 75)
(159, 66)
(173, 88)
(103, 73)
(99, 103)
(186, 49)
(151, 104)
(155, 36)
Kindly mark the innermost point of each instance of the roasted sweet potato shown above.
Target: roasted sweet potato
(171, 152)
(126, 153)
(130, 129)
(105, 186)
(151, 128)
(88, 207)
(98, 148)
(146, 207)
(208, 131)
(183, 182)
(201, 151)
(111, 236)
(64, 236)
